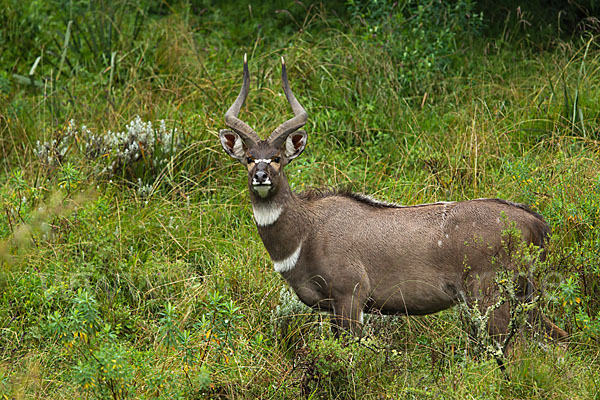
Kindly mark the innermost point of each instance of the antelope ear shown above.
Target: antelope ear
(233, 144)
(295, 144)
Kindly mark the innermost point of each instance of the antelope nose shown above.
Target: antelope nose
(260, 177)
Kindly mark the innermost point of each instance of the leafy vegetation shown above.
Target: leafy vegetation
(130, 266)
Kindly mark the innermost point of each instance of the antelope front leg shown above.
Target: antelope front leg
(349, 294)
(347, 316)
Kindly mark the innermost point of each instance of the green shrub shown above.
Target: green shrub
(421, 37)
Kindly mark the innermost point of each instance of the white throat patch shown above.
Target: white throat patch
(289, 263)
(262, 190)
(266, 215)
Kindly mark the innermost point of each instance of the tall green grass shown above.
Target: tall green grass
(151, 282)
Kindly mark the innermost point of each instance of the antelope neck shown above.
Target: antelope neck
(267, 211)
(276, 219)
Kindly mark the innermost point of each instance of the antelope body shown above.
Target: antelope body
(348, 254)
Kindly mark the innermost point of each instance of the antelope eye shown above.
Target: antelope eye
(276, 159)
(249, 160)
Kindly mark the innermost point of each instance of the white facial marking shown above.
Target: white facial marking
(265, 160)
(440, 243)
(266, 215)
(288, 263)
(257, 183)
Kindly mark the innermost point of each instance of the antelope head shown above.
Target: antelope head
(264, 159)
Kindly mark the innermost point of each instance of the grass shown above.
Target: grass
(152, 282)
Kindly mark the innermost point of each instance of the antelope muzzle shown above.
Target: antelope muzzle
(261, 181)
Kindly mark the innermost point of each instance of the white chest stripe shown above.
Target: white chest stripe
(288, 263)
(265, 216)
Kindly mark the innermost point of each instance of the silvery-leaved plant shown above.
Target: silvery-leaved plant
(137, 151)
(290, 313)
(144, 190)
(53, 152)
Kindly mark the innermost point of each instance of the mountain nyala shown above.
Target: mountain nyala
(348, 253)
